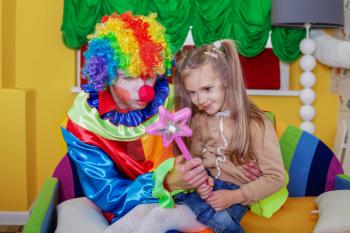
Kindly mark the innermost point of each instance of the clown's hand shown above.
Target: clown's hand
(186, 174)
(252, 170)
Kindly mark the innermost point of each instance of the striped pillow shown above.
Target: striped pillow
(311, 165)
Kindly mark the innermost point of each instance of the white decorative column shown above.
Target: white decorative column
(307, 80)
(76, 88)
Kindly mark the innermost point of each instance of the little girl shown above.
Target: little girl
(229, 132)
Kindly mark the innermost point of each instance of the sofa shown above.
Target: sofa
(312, 167)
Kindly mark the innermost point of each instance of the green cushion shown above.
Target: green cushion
(342, 182)
(269, 205)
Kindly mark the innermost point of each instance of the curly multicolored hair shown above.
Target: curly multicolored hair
(137, 45)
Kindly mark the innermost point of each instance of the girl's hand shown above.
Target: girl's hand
(186, 174)
(205, 190)
(252, 170)
(222, 199)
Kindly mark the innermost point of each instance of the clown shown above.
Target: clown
(127, 63)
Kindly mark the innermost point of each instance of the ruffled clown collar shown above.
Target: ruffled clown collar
(104, 103)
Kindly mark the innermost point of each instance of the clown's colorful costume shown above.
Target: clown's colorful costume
(118, 165)
(111, 153)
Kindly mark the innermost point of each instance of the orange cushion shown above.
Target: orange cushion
(205, 231)
(294, 216)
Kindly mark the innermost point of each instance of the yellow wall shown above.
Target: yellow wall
(8, 16)
(1, 44)
(36, 74)
(326, 103)
(13, 173)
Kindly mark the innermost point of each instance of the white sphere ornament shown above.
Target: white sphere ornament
(308, 127)
(307, 96)
(307, 112)
(307, 62)
(307, 79)
(307, 46)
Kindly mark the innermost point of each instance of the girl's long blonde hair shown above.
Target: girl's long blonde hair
(226, 62)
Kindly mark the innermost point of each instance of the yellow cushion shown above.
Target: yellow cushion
(294, 216)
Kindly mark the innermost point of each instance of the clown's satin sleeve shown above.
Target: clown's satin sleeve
(164, 196)
(103, 183)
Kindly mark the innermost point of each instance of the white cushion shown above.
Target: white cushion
(334, 212)
(80, 215)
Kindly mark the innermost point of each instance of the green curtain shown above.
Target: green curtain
(247, 22)
(80, 16)
(289, 39)
(174, 15)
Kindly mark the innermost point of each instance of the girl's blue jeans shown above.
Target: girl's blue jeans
(226, 221)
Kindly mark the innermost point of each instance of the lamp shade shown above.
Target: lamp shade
(318, 13)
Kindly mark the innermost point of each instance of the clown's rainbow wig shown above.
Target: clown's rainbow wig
(137, 45)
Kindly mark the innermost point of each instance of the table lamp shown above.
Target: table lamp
(307, 14)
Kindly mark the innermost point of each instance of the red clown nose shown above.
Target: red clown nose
(146, 93)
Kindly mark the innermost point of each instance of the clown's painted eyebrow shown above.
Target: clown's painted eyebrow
(123, 76)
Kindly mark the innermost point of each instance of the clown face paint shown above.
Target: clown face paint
(129, 92)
